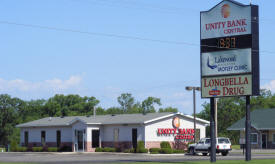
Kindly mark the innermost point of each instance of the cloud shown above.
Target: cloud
(270, 86)
(54, 84)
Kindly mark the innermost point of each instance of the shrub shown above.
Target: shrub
(37, 149)
(52, 149)
(177, 151)
(166, 151)
(154, 150)
(98, 149)
(165, 144)
(142, 150)
(109, 149)
(140, 145)
(13, 146)
(21, 149)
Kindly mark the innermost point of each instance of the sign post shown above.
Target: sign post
(212, 131)
(229, 58)
(247, 130)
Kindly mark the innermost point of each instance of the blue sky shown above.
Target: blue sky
(38, 62)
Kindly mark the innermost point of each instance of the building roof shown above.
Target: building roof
(104, 119)
(261, 119)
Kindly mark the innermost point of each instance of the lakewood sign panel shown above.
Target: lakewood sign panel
(230, 50)
(226, 62)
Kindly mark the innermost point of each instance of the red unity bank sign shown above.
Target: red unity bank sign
(186, 134)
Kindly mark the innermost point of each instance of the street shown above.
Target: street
(87, 158)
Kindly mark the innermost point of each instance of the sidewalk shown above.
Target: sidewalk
(256, 151)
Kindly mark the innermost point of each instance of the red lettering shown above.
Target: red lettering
(159, 131)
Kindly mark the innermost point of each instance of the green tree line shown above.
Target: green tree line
(14, 111)
(232, 109)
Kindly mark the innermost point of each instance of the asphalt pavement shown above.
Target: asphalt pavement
(88, 158)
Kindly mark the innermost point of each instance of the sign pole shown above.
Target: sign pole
(247, 130)
(194, 105)
(212, 130)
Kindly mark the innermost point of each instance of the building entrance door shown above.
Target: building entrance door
(80, 141)
(264, 141)
(95, 138)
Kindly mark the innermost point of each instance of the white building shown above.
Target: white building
(85, 133)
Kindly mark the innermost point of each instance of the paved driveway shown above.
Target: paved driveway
(88, 158)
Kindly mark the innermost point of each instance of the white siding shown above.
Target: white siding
(125, 132)
(35, 134)
(185, 123)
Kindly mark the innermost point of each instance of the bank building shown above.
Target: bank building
(85, 133)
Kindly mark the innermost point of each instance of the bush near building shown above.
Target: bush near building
(177, 151)
(37, 149)
(141, 148)
(154, 150)
(98, 149)
(52, 149)
(165, 144)
(166, 151)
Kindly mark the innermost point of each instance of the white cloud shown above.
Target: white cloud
(49, 85)
(270, 86)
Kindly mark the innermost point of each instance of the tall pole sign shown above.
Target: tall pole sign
(229, 56)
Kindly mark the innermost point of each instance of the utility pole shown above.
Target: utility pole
(194, 106)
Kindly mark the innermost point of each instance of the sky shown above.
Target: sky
(103, 48)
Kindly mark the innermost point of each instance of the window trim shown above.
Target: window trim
(257, 138)
(273, 138)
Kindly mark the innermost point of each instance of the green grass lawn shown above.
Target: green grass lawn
(264, 161)
(236, 147)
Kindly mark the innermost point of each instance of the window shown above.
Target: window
(223, 140)
(254, 138)
(116, 134)
(58, 138)
(207, 141)
(201, 141)
(43, 138)
(26, 138)
(273, 138)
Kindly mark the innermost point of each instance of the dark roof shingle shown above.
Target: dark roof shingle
(261, 119)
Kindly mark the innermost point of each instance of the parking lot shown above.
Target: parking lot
(85, 158)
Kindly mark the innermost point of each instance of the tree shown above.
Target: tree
(232, 109)
(168, 109)
(148, 105)
(126, 102)
(9, 108)
(114, 110)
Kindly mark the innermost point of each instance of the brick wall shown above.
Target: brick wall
(174, 144)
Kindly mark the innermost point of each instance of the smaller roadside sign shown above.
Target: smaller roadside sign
(227, 86)
(226, 62)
